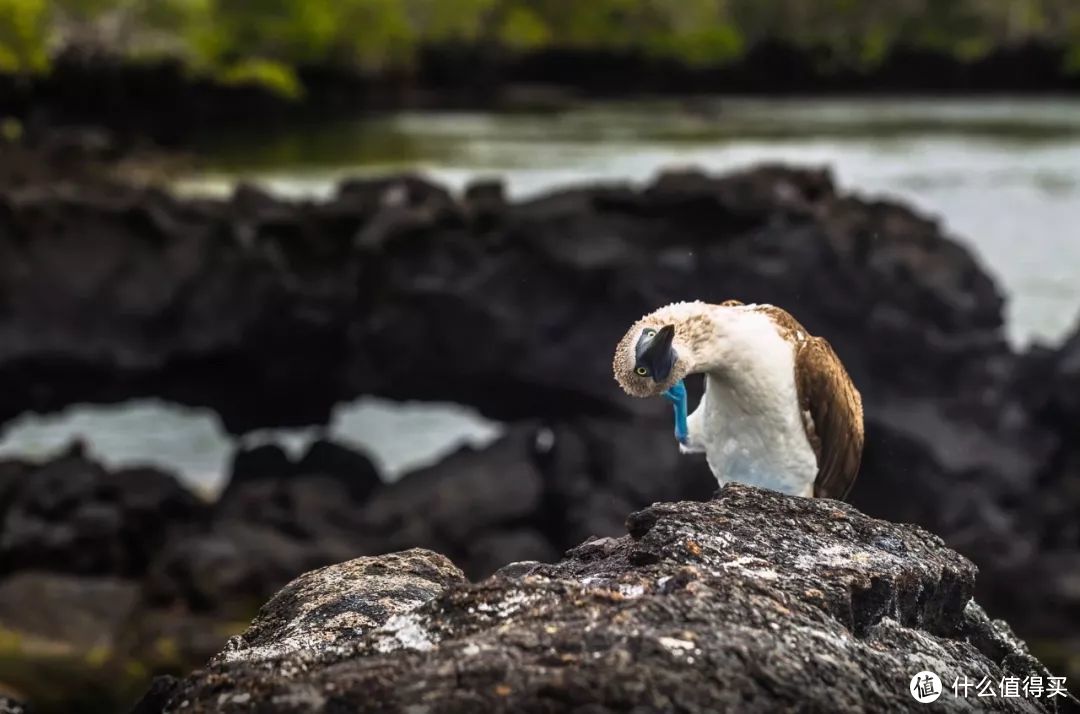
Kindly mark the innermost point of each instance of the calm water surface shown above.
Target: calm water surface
(1003, 176)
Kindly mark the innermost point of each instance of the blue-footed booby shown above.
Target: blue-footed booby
(779, 409)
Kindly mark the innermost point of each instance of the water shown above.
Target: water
(1003, 175)
(192, 443)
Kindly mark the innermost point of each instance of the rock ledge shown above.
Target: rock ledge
(753, 601)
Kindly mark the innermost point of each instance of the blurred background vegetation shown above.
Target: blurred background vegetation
(266, 41)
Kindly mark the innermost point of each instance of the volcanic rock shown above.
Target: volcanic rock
(751, 602)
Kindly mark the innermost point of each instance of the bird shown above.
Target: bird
(779, 410)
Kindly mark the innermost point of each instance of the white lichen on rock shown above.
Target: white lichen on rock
(403, 631)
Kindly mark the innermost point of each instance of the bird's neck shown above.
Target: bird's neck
(715, 335)
(740, 348)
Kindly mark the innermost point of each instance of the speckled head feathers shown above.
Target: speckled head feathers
(692, 325)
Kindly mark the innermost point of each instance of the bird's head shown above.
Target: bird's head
(649, 359)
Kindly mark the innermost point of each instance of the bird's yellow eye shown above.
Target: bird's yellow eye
(650, 333)
(642, 371)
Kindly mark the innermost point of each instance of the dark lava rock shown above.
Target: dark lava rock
(447, 505)
(266, 462)
(158, 696)
(319, 494)
(276, 518)
(71, 515)
(752, 602)
(352, 468)
(272, 311)
(225, 570)
(1048, 383)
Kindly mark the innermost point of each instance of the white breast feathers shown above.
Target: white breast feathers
(749, 423)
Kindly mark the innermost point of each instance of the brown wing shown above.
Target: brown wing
(835, 408)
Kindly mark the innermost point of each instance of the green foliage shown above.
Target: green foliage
(266, 40)
(369, 34)
(23, 35)
(704, 45)
(1072, 60)
(274, 76)
(450, 20)
(1072, 56)
(876, 45)
(522, 29)
(86, 10)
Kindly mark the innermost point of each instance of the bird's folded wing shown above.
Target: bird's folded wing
(834, 406)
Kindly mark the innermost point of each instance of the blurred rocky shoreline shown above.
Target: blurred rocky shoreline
(271, 312)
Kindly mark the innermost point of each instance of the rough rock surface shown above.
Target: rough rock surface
(751, 602)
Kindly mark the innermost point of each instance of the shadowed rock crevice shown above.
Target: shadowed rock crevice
(751, 602)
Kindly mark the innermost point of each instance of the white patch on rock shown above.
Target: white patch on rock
(841, 556)
(406, 633)
(507, 606)
(676, 646)
(741, 564)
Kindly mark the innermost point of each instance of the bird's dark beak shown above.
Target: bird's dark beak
(658, 355)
